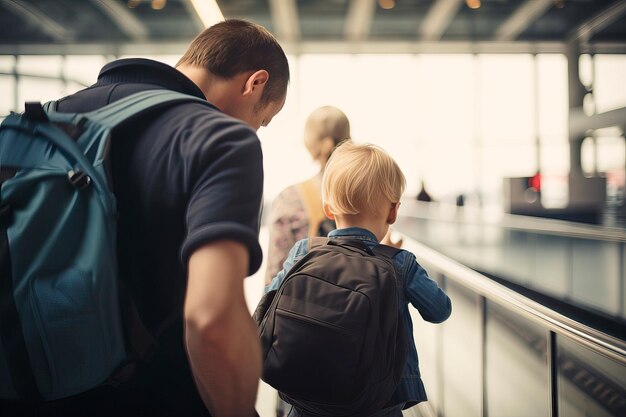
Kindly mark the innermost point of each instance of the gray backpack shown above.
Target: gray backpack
(332, 338)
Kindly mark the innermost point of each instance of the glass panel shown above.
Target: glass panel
(439, 75)
(518, 261)
(47, 65)
(507, 98)
(428, 345)
(283, 142)
(595, 274)
(504, 160)
(555, 158)
(552, 263)
(589, 384)
(38, 89)
(7, 98)
(555, 170)
(609, 87)
(611, 152)
(383, 112)
(83, 69)
(552, 98)
(441, 123)
(462, 354)
(623, 278)
(517, 370)
(6, 63)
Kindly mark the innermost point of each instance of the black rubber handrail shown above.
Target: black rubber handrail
(595, 340)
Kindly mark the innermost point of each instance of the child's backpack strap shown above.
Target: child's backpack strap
(386, 250)
(317, 241)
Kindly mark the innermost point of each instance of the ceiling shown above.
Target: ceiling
(111, 26)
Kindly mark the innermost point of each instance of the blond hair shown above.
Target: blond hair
(358, 177)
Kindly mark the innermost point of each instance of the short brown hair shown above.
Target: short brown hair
(358, 176)
(234, 46)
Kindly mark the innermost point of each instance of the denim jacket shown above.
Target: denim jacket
(422, 292)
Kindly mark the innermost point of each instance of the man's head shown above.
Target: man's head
(324, 129)
(241, 68)
(362, 179)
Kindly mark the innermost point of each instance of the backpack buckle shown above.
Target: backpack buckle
(33, 111)
(78, 179)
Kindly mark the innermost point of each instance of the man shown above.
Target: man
(189, 183)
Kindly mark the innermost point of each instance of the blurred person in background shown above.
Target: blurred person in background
(297, 211)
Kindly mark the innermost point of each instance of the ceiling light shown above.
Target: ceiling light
(208, 11)
(158, 4)
(473, 4)
(387, 4)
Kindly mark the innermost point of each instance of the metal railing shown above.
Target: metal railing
(497, 338)
(584, 265)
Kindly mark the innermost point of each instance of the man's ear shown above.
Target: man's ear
(327, 212)
(393, 213)
(256, 82)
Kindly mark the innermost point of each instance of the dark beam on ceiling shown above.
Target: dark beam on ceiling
(599, 22)
(39, 20)
(525, 15)
(124, 19)
(193, 14)
(359, 19)
(285, 19)
(438, 19)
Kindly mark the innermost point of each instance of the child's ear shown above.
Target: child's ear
(327, 212)
(393, 213)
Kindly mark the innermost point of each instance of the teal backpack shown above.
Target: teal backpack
(62, 329)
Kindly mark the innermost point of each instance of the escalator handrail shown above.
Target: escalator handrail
(595, 340)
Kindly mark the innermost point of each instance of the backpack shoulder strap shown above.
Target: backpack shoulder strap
(62, 141)
(386, 250)
(312, 204)
(317, 241)
(136, 104)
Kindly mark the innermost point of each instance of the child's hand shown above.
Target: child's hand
(389, 242)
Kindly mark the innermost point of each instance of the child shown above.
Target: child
(361, 191)
(297, 211)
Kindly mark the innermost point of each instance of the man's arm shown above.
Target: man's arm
(221, 338)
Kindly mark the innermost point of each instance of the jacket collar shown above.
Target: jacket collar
(140, 70)
(353, 233)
